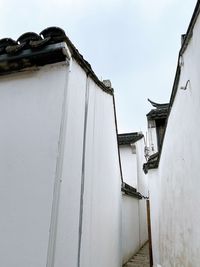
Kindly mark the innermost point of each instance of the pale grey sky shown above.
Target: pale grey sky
(134, 43)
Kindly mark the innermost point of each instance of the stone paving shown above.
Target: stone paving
(141, 259)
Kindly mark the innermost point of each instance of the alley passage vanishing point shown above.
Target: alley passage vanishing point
(141, 259)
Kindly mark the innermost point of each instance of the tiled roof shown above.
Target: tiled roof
(131, 191)
(152, 163)
(160, 111)
(129, 138)
(185, 41)
(158, 105)
(32, 50)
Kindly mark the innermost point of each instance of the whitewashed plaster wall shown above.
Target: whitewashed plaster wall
(101, 237)
(134, 212)
(66, 248)
(47, 147)
(178, 218)
(89, 217)
(154, 189)
(30, 120)
(130, 227)
(143, 189)
(129, 165)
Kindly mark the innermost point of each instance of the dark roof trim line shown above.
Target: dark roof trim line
(157, 105)
(116, 131)
(152, 163)
(129, 138)
(86, 66)
(189, 32)
(156, 114)
(131, 191)
(184, 46)
(185, 43)
(30, 50)
(159, 112)
(52, 53)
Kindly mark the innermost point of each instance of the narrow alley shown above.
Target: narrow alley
(140, 259)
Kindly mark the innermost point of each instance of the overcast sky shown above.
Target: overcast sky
(134, 43)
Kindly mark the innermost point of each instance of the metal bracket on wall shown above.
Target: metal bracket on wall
(186, 85)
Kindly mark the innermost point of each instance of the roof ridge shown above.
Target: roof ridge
(12, 53)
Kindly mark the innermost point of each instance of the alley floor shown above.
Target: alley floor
(141, 259)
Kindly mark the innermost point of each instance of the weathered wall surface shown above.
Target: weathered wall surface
(130, 227)
(178, 218)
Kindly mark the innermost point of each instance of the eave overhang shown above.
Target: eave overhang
(35, 50)
(186, 39)
(157, 114)
(152, 163)
(28, 58)
(131, 191)
(129, 138)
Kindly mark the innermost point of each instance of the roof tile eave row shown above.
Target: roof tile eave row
(11, 50)
(129, 138)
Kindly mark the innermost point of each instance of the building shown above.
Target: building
(134, 194)
(156, 120)
(59, 164)
(174, 180)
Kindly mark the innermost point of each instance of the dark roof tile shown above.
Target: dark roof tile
(29, 36)
(129, 138)
(159, 113)
(32, 49)
(39, 43)
(53, 32)
(158, 105)
(152, 162)
(4, 43)
(12, 49)
(131, 191)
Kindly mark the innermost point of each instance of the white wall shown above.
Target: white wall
(130, 227)
(178, 217)
(66, 250)
(101, 240)
(96, 166)
(30, 119)
(143, 188)
(129, 165)
(154, 188)
(43, 162)
(134, 213)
